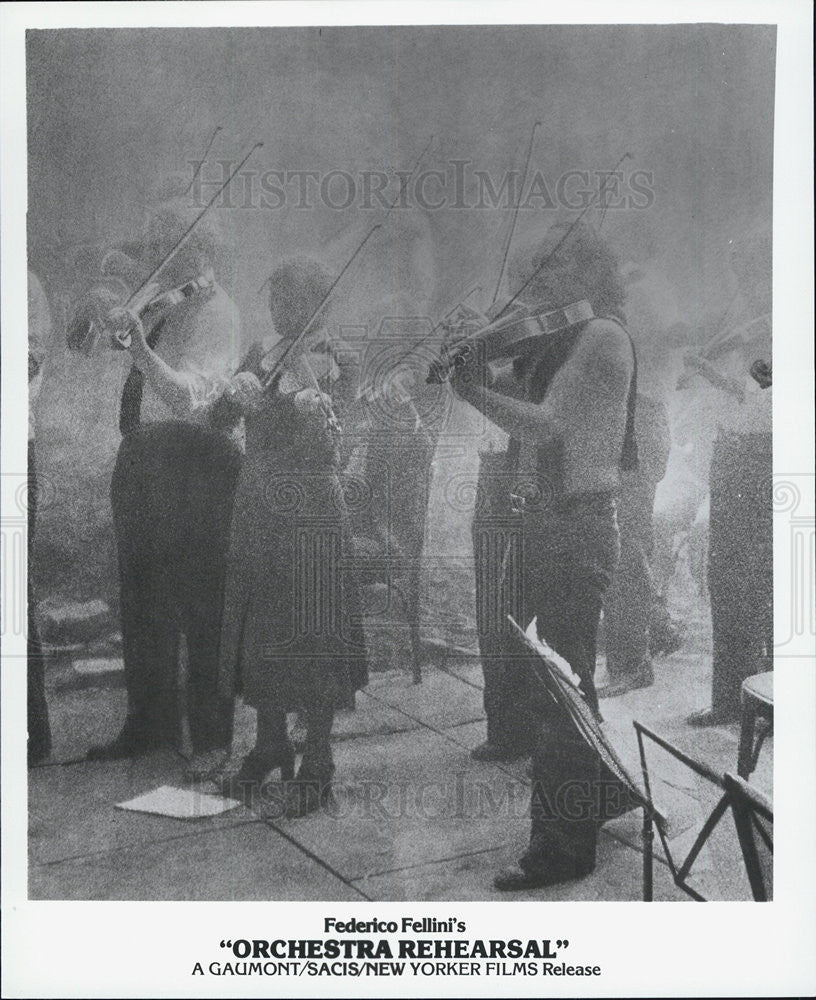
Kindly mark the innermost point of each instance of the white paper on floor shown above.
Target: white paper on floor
(180, 803)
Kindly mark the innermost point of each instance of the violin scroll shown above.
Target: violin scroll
(507, 336)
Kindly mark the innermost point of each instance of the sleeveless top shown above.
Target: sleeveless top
(546, 467)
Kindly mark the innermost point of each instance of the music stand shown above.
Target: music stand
(562, 684)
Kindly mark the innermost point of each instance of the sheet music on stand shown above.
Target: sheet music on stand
(562, 684)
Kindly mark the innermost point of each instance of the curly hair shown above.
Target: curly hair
(167, 222)
(593, 259)
(296, 289)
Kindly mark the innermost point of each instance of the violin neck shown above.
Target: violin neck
(202, 285)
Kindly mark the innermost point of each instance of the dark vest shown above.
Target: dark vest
(130, 406)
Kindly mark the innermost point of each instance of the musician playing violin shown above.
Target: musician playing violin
(172, 490)
(567, 404)
(290, 636)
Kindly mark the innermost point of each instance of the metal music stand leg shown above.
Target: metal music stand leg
(648, 856)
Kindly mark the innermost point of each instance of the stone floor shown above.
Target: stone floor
(413, 816)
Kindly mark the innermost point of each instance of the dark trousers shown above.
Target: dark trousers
(554, 564)
(574, 553)
(498, 564)
(172, 492)
(629, 603)
(39, 726)
(740, 563)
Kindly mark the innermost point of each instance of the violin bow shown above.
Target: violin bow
(203, 159)
(403, 184)
(544, 263)
(189, 230)
(516, 207)
(273, 374)
(564, 238)
(404, 180)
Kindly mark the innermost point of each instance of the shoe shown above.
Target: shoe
(708, 717)
(643, 678)
(308, 793)
(255, 768)
(515, 879)
(127, 744)
(488, 751)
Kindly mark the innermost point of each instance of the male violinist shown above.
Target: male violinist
(568, 408)
(172, 494)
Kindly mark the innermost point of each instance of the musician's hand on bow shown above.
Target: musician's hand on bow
(313, 403)
(247, 391)
(470, 377)
(398, 386)
(127, 330)
(310, 401)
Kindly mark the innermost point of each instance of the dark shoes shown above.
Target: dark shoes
(309, 792)
(295, 796)
(708, 717)
(642, 678)
(488, 751)
(254, 772)
(518, 878)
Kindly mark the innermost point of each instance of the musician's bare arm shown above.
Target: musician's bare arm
(171, 386)
(514, 416)
(593, 381)
(210, 337)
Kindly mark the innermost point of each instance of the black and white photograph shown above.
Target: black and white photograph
(402, 476)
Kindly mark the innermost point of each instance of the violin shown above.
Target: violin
(506, 336)
(158, 307)
(290, 373)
